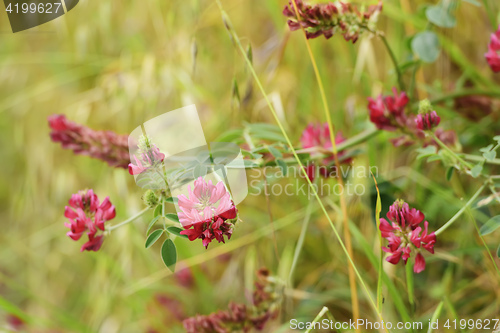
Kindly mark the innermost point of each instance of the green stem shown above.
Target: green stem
(484, 244)
(237, 41)
(318, 317)
(445, 147)
(475, 158)
(409, 285)
(394, 62)
(460, 212)
(300, 242)
(128, 220)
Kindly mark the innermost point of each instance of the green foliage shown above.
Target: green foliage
(426, 46)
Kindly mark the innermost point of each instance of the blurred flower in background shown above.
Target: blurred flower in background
(492, 55)
(318, 136)
(107, 146)
(86, 214)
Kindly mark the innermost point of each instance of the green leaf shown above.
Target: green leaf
(449, 173)
(425, 152)
(172, 217)
(176, 231)
(426, 45)
(283, 166)
(171, 200)
(441, 16)
(490, 226)
(498, 251)
(486, 149)
(230, 136)
(157, 211)
(152, 223)
(433, 158)
(476, 170)
(169, 254)
(275, 152)
(490, 156)
(155, 235)
(497, 138)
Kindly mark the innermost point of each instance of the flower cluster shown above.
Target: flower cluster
(104, 145)
(239, 317)
(207, 212)
(493, 56)
(388, 113)
(86, 214)
(427, 121)
(149, 157)
(328, 18)
(405, 235)
(317, 137)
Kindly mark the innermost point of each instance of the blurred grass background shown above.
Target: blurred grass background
(113, 65)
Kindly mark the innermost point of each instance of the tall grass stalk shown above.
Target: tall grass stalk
(237, 41)
(343, 205)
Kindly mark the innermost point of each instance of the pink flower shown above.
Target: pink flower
(318, 136)
(404, 235)
(208, 210)
(492, 56)
(387, 112)
(427, 121)
(149, 158)
(86, 214)
(104, 145)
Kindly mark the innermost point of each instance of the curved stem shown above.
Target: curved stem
(460, 212)
(234, 37)
(343, 204)
(129, 219)
(394, 62)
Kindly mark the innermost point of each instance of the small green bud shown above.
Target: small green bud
(150, 198)
(424, 106)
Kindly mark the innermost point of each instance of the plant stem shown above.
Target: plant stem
(343, 204)
(300, 241)
(460, 212)
(318, 317)
(475, 158)
(445, 147)
(128, 220)
(234, 37)
(402, 86)
(409, 285)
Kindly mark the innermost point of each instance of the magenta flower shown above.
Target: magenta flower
(104, 145)
(86, 214)
(427, 121)
(387, 112)
(318, 136)
(405, 235)
(209, 210)
(149, 158)
(492, 56)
